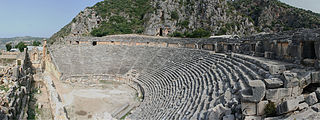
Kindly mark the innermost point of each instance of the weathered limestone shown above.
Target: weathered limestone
(316, 107)
(217, 112)
(276, 69)
(228, 117)
(318, 93)
(315, 77)
(291, 79)
(249, 108)
(261, 106)
(287, 106)
(276, 94)
(311, 98)
(302, 106)
(255, 93)
(252, 118)
(273, 83)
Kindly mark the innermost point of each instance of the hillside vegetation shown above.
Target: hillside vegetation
(187, 18)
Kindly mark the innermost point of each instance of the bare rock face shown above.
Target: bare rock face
(207, 14)
(84, 22)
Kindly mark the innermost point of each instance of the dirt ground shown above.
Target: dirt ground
(96, 103)
(39, 106)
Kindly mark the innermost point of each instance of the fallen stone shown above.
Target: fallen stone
(255, 93)
(316, 107)
(318, 93)
(261, 106)
(248, 108)
(273, 83)
(290, 80)
(302, 106)
(305, 81)
(252, 118)
(217, 112)
(287, 106)
(296, 91)
(315, 77)
(228, 117)
(311, 98)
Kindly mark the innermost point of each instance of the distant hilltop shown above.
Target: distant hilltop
(187, 18)
(16, 40)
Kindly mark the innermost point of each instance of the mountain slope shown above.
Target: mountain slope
(184, 18)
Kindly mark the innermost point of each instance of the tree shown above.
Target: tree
(21, 46)
(199, 33)
(36, 43)
(8, 46)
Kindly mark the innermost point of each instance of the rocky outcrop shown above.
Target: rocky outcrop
(182, 17)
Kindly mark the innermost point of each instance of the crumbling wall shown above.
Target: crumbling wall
(56, 104)
(15, 89)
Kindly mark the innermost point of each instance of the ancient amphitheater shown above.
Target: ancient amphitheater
(201, 78)
(181, 78)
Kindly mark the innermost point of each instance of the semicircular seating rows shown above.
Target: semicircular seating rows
(177, 83)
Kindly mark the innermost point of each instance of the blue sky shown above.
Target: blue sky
(42, 18)
(313, 5)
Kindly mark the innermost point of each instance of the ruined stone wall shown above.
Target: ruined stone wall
(15, 90)
(56, 104)
(50, 66)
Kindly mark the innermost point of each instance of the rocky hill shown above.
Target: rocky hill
(187, 18)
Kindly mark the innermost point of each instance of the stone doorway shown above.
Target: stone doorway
(309, 50)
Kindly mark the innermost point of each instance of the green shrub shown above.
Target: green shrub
(174, 15)
(115, 25)
(222, 31)
(21, 46)
(184, 24)
(136, 9)
(176, 34)
(198, 33)
(270, 109)
(8, 46)
(36, 43)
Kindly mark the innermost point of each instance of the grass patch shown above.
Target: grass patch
(270, 109)
(105, 81)
(5, 88)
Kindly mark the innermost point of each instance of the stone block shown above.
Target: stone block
(273, 83)
(315, 77)
(249, 108)
(287, 106)
(311, 98)
(252, 118)
(296, 91)
(261, 106)
(316, 107)
(228, 117)
(276, 69)
(305, 81)
(301, 106)
(291, 79)
(276, 94)
(217, 112)
(255, 93)
(318, 93)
